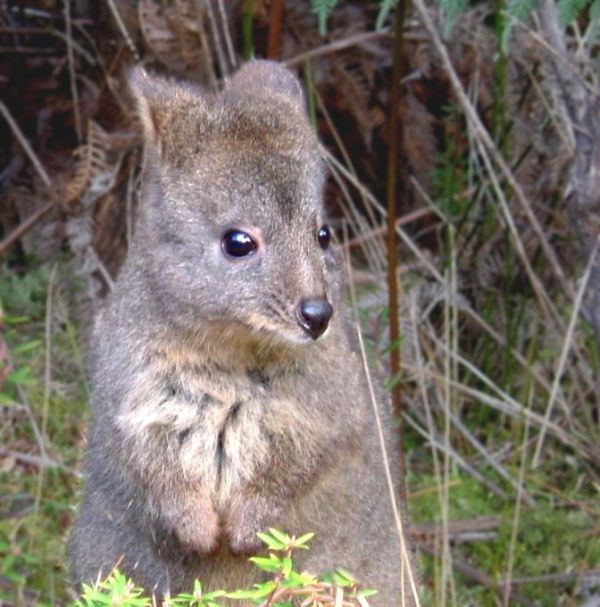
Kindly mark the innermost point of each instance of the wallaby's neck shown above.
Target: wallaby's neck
(228, 346)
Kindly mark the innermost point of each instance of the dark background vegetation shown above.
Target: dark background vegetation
(493, 187)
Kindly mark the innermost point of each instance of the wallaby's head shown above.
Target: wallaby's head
(231, 226)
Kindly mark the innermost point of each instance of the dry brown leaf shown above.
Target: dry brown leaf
(91, 163)
(175, 32)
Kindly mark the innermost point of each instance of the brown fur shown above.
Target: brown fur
(214, 415)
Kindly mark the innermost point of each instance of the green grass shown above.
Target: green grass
(37, 502)
(559, 534)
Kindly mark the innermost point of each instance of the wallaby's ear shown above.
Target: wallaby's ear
(267, 75)
(150, 93)
(161, 102)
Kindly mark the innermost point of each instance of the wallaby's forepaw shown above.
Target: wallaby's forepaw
(247, 516)
(196, 525)
(200, 533)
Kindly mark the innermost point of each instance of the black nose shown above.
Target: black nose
(314, 315)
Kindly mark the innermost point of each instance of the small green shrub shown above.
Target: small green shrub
(285, 588)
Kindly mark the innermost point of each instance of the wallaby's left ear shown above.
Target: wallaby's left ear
(260, 75)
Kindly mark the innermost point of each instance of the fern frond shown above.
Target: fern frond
(568, 10)
(451, 11)
(91, 163)
(516, 10)
(323, 8)
(384, 11)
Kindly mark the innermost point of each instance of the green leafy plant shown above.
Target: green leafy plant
(323, 8)
(285, 587)
(13, 377)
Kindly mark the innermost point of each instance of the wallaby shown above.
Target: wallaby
(227, 398)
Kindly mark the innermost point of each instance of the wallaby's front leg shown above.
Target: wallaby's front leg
(250, 513)
(260, 503)
(189, 513)
(173, 500)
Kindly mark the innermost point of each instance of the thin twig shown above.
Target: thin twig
(42, 31)
(557, 578)
(392, 169)
(48, 350)
(517, 515)
(457, 527)
(508, 405)
(451, 452)
(72, 74)
(477, 575)
(380, 261)
(338, 45)
(538, 286)
(491, 461)
(31, 460)
(441, 539)
(400, 221)
(275, 28)
(26, 406)
(39, 167)
(24, 227)
(123, 29)
(378, 206)
(518, 356)
(216, 36)
(373, 251)
(557, 49)
(108, 279)
(226, 34)
(205, 45)
(450, 372)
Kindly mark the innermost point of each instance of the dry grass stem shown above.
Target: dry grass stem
(123, 29)
(39, 167)
(567, 346)
(406, 568)
(488, 144)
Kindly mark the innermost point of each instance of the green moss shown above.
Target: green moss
(554, 536)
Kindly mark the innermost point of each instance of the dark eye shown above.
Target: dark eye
(238, 244)
(324, 237)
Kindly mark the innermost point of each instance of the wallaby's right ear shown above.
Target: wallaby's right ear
(162, 103)
(151, 94)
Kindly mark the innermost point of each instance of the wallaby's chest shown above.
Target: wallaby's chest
(224, 420)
